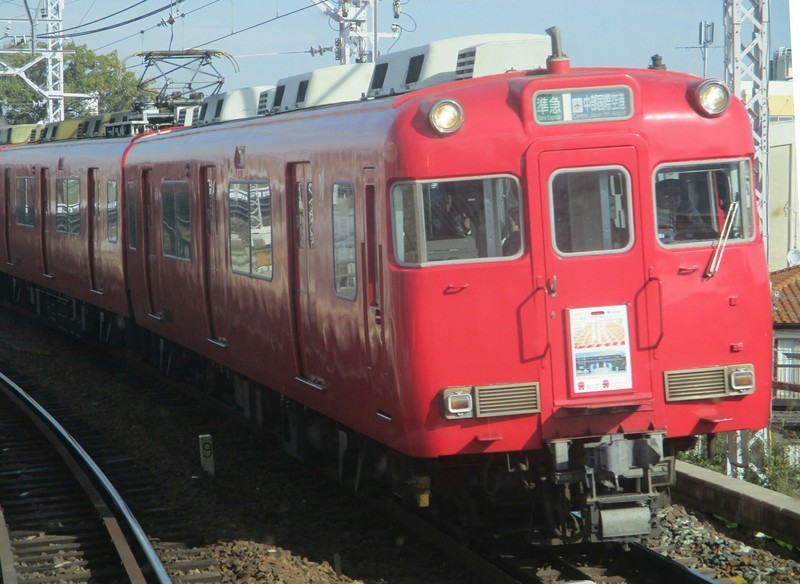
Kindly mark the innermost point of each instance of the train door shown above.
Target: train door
(303, 276)
(44, 227)
(594, 277)
(210, 261)
(93, 223)
(371, 259)
(150, 245)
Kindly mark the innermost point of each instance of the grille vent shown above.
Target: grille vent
(706, 383)
(507, 400)
(465, 64)
(263, 103)
(695, 384)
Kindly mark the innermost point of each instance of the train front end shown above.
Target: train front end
(577, 287)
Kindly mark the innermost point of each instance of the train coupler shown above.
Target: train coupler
(614, 485)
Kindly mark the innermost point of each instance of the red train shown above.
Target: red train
(512, 293)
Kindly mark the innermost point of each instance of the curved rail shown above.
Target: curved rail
(139, 559)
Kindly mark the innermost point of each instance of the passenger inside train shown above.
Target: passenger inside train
(459, 220)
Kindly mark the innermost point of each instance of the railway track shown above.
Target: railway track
(62, 518)
(596, 563)
(513, 565)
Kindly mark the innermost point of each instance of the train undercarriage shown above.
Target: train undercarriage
(590, 490)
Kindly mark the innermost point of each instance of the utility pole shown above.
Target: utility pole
(355, 43)
(706, 40)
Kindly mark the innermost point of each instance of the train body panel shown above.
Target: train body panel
(264, 307)
(601, 312)
(555, 273)
(61, 224)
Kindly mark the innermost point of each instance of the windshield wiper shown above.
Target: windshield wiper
(716, 259)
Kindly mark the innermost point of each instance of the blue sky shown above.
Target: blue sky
(612, 32)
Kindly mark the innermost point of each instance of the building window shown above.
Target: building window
(68, 205)
(176, 219)
(250, 220)
(344, 240)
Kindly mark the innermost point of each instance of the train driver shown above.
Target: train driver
(678, 218)
(513, 239)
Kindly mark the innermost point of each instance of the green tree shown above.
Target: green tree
(84, 72)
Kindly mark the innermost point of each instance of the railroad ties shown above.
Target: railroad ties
(61, 519)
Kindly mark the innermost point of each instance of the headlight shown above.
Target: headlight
(742, 380)
(713, 97)
(457, 402)
(446, 116)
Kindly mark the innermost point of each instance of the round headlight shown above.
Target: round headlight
(446, 116)
(713, 97)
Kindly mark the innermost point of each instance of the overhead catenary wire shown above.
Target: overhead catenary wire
(117, 13)
(113, 26)
(251, 27)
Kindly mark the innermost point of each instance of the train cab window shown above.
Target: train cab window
(694, 202)
(68, 205)
(111, 211)
(176, 219)
(130, 198)
(250, 219)
(344, 240)
(591, 211)
(457, 220)
(25, 204)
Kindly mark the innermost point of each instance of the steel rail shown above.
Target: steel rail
(139, 558)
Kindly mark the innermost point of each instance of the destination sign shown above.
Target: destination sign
(582, 105)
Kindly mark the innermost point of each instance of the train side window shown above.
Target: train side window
(25, 205)
(250, 233)
(68, 205)
(692, 202)
(176, 219)
(111, 211)
(457, 220)
(591, 211)
(132, 223)
(344, 240)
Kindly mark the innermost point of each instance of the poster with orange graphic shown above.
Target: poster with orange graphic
(601, 354)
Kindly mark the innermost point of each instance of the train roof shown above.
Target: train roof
(404, 72)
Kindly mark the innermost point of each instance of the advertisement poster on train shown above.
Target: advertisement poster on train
(601, 355)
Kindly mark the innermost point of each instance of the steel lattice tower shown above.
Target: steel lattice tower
(51, 51)
(747, 75)
(54, 55)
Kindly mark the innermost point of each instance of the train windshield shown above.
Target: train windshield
(693, 202)
(456, 220)
(591, 211)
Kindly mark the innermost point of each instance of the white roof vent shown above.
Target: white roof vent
(458, 58)
(337, 84)
(231, 105)
(265, 101)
